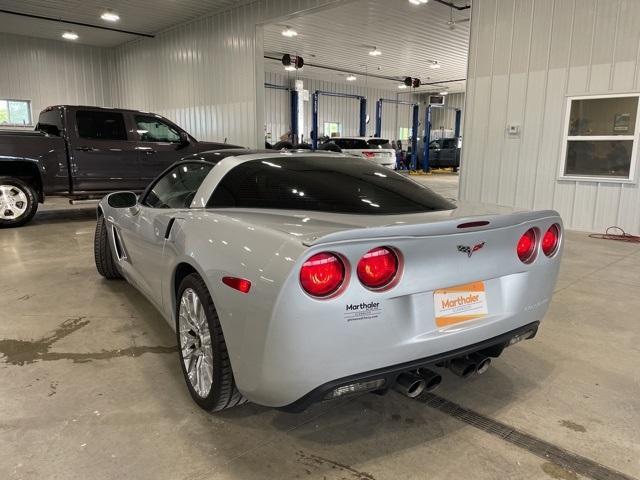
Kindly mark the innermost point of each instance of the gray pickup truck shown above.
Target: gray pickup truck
(84, 153)
(444, 153)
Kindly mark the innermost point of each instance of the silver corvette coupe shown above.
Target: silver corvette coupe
(292, 278)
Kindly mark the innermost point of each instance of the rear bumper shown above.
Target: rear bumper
(390, 373)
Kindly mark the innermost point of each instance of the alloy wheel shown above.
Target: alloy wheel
(13, 202)
(195, 343)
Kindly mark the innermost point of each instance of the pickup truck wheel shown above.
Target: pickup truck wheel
(102, 253)
(203, 352)
(18, 202)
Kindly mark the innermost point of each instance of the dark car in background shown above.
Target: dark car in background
(84, 153)
(444, 153)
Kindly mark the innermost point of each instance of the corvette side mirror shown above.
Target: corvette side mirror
(122, 200)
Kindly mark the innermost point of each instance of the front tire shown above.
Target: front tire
(18, 202)
(203, 352)
(102, 254)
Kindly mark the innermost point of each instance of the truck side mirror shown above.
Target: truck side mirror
(184, 139)
(122, 200)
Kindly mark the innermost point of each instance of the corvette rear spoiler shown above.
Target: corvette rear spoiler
(446, 226)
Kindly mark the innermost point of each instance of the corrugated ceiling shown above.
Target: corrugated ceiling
(409, 36)
(145, 16)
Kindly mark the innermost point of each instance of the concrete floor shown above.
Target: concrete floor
(90, 386)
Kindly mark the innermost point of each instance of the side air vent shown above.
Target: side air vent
(120, 252)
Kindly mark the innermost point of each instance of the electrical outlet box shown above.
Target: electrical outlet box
(513, 130)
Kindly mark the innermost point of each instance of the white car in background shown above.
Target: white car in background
(377, 149)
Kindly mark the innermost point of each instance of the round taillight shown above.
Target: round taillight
(378, 267)
(322, 274)
(526, 247)
(550, 240)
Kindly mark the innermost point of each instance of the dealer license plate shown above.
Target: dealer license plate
(460, 304)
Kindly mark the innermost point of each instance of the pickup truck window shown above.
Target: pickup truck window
(177, 187)
(50, 122)
(100, 125)
(449, 143)
(152, 129)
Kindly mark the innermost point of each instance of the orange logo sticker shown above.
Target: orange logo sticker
(460, 304)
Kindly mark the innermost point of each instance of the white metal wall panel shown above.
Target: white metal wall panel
(200, 74)
(51, 72)
(277, 107)
(203, 74)
(526, 56)
(446, 117)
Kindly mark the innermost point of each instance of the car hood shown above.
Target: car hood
(310, 226)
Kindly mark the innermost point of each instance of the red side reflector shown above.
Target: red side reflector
(240, 284)
(480, 223)
(368, 154)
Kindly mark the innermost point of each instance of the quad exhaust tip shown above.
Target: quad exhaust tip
(410, 385)
(466, 366)
(462, 367)
(482, 362)
(432, 379)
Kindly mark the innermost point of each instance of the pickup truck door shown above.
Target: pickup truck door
(159, 145)
(434, 153)
(102, 156)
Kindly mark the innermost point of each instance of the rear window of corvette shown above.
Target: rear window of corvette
(327, 184)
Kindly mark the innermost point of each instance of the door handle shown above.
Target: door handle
(87, 149)
(147, 150)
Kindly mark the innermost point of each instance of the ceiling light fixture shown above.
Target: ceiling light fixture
(418, 2)
(70, 35)
(351, 78)
(444, 93)
(434, 64)
(402, 86)
(289, 32)
(290, 68)
(375, 52)
(109, 16)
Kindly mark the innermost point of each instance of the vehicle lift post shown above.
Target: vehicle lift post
(314, 124)
(414, 129)
(427, 133)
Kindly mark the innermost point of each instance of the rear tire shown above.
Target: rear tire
(18, 202)
(105, 263)
(207, 368)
